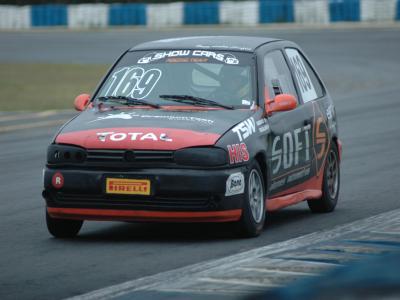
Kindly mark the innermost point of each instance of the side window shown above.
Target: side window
(277, 75)
(309, 85)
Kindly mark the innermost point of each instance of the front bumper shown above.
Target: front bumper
(177, 195)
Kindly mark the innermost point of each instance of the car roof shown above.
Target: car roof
(238, 43)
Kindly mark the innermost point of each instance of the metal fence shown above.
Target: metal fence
(200, 12)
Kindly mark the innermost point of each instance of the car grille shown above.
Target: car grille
(128, 158)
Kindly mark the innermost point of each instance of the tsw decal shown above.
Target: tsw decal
(245, 129)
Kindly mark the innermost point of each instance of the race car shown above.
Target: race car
(197, 129)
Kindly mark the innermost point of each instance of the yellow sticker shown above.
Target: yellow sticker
(125, 186)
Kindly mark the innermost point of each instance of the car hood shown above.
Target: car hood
(149, 129)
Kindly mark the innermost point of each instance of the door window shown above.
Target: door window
(277, 75)
(309, 85)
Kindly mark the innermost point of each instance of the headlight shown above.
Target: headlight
(62, 154)
(207, 157)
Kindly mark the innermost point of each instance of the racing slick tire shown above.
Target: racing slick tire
(330, 184)
(252, 220)
(63, 228)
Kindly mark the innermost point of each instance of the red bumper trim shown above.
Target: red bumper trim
(144, 215)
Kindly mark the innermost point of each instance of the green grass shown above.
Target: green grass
(46, 86)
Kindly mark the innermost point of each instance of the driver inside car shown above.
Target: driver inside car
(234, 87)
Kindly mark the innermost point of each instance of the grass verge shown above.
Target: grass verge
(46, 86)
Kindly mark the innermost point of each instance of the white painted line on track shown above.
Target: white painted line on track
(186, 277)
(9, 128)
(28, 116)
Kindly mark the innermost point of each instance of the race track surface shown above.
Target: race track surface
(361, 68)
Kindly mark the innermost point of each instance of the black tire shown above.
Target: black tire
(249, 226)
(330, 184)
(63, 228)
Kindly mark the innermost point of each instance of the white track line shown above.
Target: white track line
(4, 129)
(165, 279)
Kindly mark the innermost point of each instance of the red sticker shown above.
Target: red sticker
(238, 153)
(58, 180)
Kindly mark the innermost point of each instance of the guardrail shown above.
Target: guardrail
(201, 12)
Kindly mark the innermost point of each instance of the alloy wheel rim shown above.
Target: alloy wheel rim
(256, 196)
(332, 174)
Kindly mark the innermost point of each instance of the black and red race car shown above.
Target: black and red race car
(197, 129)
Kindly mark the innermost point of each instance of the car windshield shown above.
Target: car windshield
(173, 77)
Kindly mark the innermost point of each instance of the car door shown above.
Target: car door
(316, 101)
(289, 143)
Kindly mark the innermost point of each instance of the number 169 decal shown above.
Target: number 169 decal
(133, 82)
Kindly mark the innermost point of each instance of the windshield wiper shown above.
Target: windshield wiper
(187, 99)
(127, 101)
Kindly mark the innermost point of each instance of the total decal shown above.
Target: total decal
(133, 136)
(227, 58)
(235, 184)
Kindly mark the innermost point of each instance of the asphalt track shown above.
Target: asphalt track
(361, 68)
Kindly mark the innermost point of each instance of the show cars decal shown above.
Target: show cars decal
(227, 58)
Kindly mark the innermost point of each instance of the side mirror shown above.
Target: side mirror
(282, 102)
(81, 101)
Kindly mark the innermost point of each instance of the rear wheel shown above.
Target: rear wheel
(252, 221)
(63, 228)
(330, 185)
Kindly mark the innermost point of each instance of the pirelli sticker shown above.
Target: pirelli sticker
(124, 186)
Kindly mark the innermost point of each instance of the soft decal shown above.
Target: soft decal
(238, 153)
(245, 129)
(307, 89)
(235, 184)
(57, 180)
(286, 148)
(132, 136)
(133, 82)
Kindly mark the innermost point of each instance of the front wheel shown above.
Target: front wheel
(252, 221)
(63, 228)
(330, 185)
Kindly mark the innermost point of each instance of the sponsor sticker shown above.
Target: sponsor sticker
(235, 184)
(245, 129)
(227, 58)
(307, 89)
(125, 186)
(132, 136)
(58, 180)
(238, 153)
